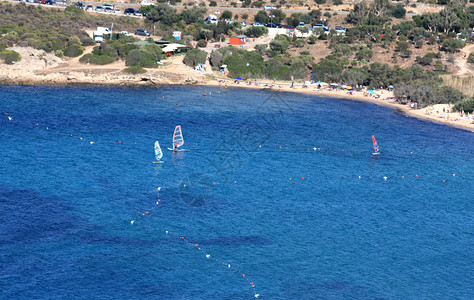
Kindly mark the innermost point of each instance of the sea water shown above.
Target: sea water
(281, 186)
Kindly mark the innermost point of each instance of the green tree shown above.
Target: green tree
(364, 54)
(280, 43)
(261, 17)
(452, 45)
(256, 31)
(194, 57)
(399, 11)
(226, 15)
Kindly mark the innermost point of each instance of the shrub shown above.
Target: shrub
(134, 70)
(337, 2)
(194, 57)
(201, 44)
(320, 1)
(466, 105)
(470, 58)
(10, 56)
(145, 57)
(59, 53)
(304, 53)
(399, 11)
(256, 31)
(73, 51)
(213, 3)
(96, 59)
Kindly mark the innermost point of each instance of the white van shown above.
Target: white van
(211, 19)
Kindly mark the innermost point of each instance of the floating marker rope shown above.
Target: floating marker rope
(196, 246)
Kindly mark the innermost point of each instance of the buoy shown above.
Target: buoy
(37, 125)
(166, 231)
(359, 177)
(280, 147)
(120, 142)
(196, 245)
(416, 175)
(302, 177)
(228, 266)
(182, 237)
(146, 213)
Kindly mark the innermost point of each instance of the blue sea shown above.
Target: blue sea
(282, 187)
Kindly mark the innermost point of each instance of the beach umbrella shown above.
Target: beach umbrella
(238, 78)
(351, 90)
(390, 86)
(319, 82)
(370, 91)
(348, 87)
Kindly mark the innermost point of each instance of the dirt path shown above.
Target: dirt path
(460, 61)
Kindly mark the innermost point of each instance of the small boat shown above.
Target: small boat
(178, 140)
(376, 147)
(158, 153)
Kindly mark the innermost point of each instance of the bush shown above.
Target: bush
(201, 44)
(134, 70)
(399, 12)
(213, 3)
(73, 51)
(194, 57)
(10, 56)
(145, 57)
(59, 53)
(337, 2)
(256, 31)
(466, 105)
(320, 1)
(470, 58)
(96, 59)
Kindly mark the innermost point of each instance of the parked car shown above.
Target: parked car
(339, 29)
(322, 26)
(211, 19)
(288, 27)
(229, 21)
(137, 13)
(99, 8)
(129, 11)
(142, 32)
(50, 2)
(269, 7)
(79, 4)
(90, 7)
(243, 23)
(301, 24)
(126, 33)
(274, 25)
(107, 6)
(117, 11)
(258, 24)
(147, 3)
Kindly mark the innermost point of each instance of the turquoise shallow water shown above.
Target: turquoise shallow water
(66, 204)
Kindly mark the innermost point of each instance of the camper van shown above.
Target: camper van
(211, 19)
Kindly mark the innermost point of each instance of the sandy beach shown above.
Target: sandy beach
(37, 67)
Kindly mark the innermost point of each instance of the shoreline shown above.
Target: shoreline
(357, 96)
(51, 70)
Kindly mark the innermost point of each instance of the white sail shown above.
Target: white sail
(158, 153)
